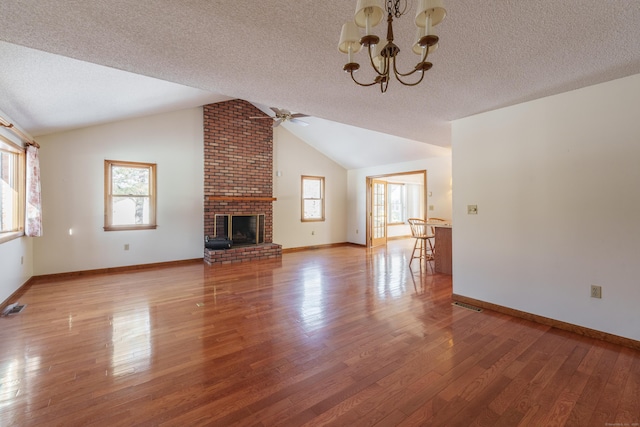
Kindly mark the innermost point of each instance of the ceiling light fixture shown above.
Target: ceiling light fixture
(369, 13)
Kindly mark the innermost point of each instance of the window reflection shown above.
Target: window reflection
(9, 383)
(131, 339)
(391, 276)
(12, 373)
(312, 306)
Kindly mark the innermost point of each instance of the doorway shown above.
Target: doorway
(391, 200)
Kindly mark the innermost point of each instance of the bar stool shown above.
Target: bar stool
(424, 236)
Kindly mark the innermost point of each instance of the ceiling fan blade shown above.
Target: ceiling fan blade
(265, 117)
(277, 111)
(298, 115)
(276, 123)
(299, 122)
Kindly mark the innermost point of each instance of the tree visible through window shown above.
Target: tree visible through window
(12, 177)
(312, 198)
(130, 195)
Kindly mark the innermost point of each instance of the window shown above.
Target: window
(130, 195)
(397, 203)
(312, 198)
(12, 178)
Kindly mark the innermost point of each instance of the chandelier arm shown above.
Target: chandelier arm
(426, 48)
(383, 85)
(386, 67)
(372, 64)
(398, 74)
(411, 84)
(361, 84)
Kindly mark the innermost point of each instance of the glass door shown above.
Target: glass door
(378, 213)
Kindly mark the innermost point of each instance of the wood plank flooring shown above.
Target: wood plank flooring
(339, 336)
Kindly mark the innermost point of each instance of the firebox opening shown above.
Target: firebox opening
(243, 230)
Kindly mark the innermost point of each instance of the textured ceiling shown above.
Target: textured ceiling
(46, 93)
(492, 53)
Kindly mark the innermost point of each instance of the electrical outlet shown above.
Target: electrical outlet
(472, 209)
(126, 247)
(313, 233)
(431, 207)
(356, 231)
(596, 291)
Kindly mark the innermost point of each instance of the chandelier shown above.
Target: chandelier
(369, 13)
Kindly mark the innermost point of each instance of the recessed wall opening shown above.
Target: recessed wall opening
(382, 224)
(243, 230)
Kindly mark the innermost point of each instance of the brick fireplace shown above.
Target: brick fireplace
(238, 176)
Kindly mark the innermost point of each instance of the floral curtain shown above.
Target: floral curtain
(33, 225)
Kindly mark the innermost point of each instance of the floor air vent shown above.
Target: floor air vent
(467, 306)
(13, 309)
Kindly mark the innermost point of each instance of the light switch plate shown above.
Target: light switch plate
(472, 209)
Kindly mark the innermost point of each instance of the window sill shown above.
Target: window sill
(130, 227)
(5, 237)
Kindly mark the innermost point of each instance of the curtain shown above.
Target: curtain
(415, 200)
(33, 225)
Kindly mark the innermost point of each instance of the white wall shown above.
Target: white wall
(16, 256)
(556, 182)
(16, 265)
(294, 158)
(438, 183)
(398, 230)
(72, 166)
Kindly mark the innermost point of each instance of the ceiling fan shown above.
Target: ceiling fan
(283, 116)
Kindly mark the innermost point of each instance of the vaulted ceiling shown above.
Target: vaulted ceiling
(167, 55)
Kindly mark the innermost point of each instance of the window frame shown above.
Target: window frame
(108, 196)
(20, 176)
(303, 198)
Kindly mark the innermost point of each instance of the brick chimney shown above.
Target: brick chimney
(238, 174)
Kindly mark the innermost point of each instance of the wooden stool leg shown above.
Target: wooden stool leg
(432, 252)
(413, 254)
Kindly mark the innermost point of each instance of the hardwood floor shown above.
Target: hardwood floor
(338, 336)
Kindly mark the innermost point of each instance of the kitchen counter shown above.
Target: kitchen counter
(442, 256)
